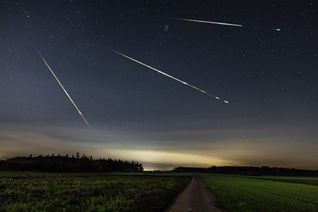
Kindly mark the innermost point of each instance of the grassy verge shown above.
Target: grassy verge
(87, 192)
(301, 180)
(239, 193)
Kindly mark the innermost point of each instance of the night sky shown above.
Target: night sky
(267, 69)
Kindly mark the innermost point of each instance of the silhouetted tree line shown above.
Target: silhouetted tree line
(69, 163)
(247, 170)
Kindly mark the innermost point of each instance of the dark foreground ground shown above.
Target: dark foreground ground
(30, 191)
(248, 193)
(87, 192)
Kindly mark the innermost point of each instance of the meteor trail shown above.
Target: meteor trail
(167, 75)
(69, 97)
(205, 22)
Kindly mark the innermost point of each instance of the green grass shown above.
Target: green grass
(87, 192)
(301, 180)
(240, 193)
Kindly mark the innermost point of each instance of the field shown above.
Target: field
(301, 180)
(32, 191)
(240, 193)
(87, 192)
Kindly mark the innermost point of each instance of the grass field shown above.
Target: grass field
(240, 193)
(301, 180)
(87, 192)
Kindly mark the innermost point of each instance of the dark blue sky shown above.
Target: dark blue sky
(269, 76)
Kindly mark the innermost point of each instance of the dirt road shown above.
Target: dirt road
(195, 198)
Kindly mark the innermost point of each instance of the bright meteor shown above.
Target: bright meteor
(67, 94)
(205, 22)
(171, 77)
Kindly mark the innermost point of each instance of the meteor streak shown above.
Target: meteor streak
(205, 22)
(170, 76)
(69, 97)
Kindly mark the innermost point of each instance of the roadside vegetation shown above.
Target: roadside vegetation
(87, 192)
(301, 180)
(243, 193)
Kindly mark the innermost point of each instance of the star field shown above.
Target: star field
(267, 69)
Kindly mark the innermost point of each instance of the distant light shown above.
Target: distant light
(277, 29)
(226, 102)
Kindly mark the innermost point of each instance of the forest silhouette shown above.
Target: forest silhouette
(69, 163)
